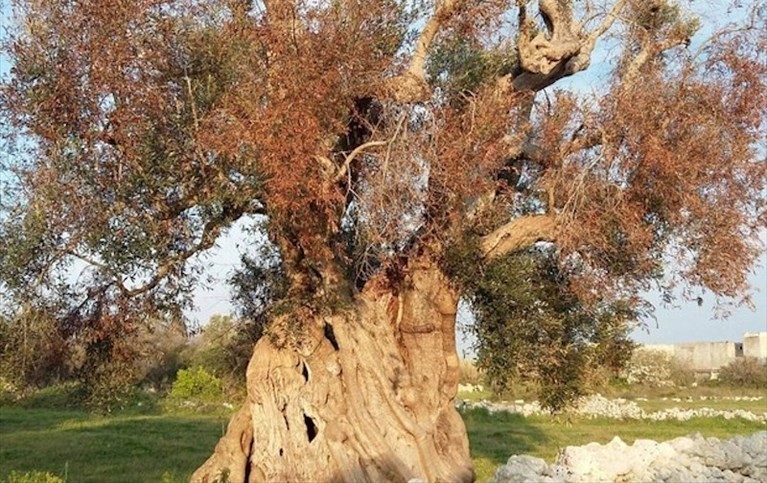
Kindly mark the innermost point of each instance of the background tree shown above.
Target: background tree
(32, 351)
(375, 137)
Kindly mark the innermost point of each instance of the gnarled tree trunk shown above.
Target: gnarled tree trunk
(367, 395)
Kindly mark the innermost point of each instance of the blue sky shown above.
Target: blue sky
(684, 323)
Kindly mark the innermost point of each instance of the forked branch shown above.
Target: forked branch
(208, 237)
(561, 51)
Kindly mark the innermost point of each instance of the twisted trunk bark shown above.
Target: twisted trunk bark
(367, 395)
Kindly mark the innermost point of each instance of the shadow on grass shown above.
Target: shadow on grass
(123, 447)
(495, 437)
(119, 448)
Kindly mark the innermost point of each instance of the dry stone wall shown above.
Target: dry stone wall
(742, 459)
(595, 406)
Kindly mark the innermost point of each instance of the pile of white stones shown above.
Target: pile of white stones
(595, 406)
(742, 459)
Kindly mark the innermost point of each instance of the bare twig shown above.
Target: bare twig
(356, 152)
(391, 143)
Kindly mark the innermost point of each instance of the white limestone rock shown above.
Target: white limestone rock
(521, 469)
(686, 459)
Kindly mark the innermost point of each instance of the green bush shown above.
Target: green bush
(33, 352)
(33, 477)
(224, 349)
(196, 385)
(66, 395)
(745, 372)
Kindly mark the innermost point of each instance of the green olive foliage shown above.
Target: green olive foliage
(530, 327)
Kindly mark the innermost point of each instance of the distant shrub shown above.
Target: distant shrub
(41, 349)
(65, 395)
(9, 393)
(224, 348)
(196, 385)
(162, 355)
(681, 373)
(33, 477)
(745, 372)
(468, 373)
(160, 373)
(657, 369)
(32, 351)
(110, 387)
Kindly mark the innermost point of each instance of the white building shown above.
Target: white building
(712, 356)
(755, 345)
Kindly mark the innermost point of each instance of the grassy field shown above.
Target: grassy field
(135, 448)
(121, 448)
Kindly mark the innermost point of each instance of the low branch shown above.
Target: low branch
(518, 234)
(210, 233)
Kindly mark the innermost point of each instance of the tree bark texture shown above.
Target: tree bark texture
(366, 395)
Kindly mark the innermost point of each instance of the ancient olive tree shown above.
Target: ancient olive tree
(384, 145)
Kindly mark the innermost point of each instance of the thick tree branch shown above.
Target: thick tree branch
(411, 86)
(518, 234)
(563, 50)
(525, 149)
(649, 51)
(208, 237)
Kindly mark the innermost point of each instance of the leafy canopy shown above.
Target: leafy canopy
(363, 133)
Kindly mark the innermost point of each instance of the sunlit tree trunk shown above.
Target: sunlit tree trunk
(367, 395)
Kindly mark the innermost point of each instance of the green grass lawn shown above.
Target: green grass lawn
(122, 448)
(142, 448)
